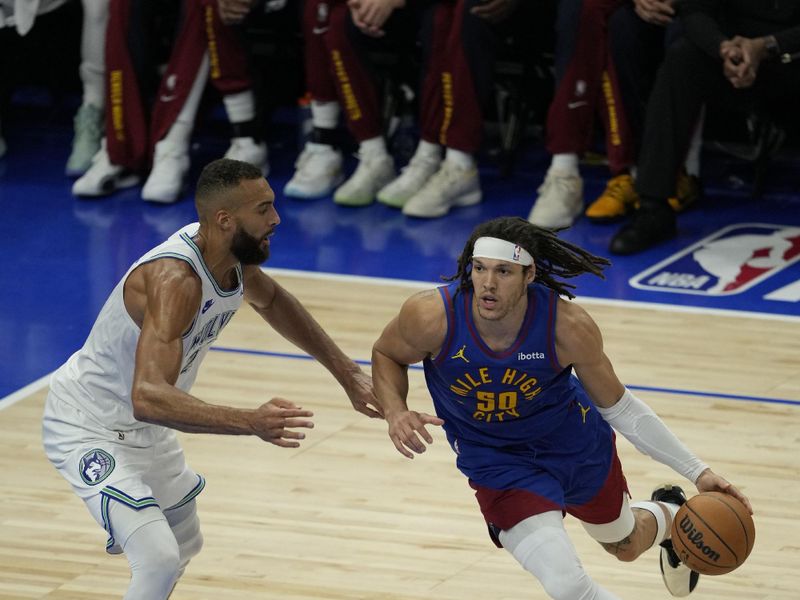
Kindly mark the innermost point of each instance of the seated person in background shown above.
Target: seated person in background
(600, 72)
(460, 40)
(639, 32)
(737, 54)
(318, 169)
(203, 47)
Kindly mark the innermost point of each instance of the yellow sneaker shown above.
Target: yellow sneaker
(618, 199)
(688, 192)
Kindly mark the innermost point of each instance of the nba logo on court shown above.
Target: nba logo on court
(727, 262)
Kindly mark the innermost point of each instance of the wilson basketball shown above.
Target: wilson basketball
(713, 533)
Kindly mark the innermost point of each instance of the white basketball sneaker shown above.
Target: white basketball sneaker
(372, 173)
(318, 170)
(88, 127)
(103, 177)
(413, 177)
(679, 579)
(450, 186)
(166, 180)
(560, 200)
(247, 150)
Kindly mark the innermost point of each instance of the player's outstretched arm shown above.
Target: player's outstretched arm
(417, 332)
(579, 342)
(163, 297)
(288, 317)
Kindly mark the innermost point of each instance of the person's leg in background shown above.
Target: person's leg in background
(581, 60)
(358, 94)
(230, 75)
(89, 118)
(465, 66)
(636, 50)
(123, 155)
(435, 99)
(176, 106)
(318, 169)
(687, 79)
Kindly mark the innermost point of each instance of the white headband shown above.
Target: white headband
(491, 247)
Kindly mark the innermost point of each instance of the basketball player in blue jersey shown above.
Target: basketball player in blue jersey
(113, 406)
(499, 347)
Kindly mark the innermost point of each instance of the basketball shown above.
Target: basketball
(713, 533)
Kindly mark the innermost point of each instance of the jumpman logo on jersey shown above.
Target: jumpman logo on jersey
(584, 410)
(460, 354)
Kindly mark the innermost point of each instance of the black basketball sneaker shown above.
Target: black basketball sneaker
(679, 579)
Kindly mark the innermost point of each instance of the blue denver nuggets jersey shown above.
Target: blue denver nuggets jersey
(517, 418)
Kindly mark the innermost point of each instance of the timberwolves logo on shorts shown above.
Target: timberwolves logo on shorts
(727, 262)
(95, 466)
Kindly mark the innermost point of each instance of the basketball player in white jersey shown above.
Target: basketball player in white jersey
(113, 406)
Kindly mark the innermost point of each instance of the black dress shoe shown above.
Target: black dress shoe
(649, 226)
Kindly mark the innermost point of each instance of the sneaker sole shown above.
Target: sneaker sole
(166, 199)
(470, 199)
(393, 202)
(120, 184)
(353, 202)
(300, 194)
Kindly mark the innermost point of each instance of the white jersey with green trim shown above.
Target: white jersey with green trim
(98, 378)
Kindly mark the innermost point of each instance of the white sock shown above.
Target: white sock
(463, 160)
(662, 526)
(692, 163)
(372, 147)
(325, 115)
(240, 107)
(181, 129)
(565, 163)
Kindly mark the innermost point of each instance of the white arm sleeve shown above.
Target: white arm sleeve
(647, 432)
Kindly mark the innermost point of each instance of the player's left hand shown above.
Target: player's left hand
(362, 395)
(711, 482)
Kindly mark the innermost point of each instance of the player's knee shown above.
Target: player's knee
(163, 563)
(568, 584)
(155, 563)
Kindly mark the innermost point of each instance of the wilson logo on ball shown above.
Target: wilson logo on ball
(696, 538)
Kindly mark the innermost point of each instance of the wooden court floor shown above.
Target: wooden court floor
(345, 517)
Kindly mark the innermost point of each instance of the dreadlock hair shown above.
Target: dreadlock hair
(553, 257)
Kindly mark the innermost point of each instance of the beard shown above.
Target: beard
(247, 249)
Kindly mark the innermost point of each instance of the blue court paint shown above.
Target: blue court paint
(62, 256)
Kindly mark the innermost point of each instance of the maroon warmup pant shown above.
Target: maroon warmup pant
(450, 107)
(200, 31)
(588, 87)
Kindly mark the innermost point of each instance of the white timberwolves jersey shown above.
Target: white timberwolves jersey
(98, 378)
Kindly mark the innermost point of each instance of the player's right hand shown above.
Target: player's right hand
(273, 422)
(404, 428)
